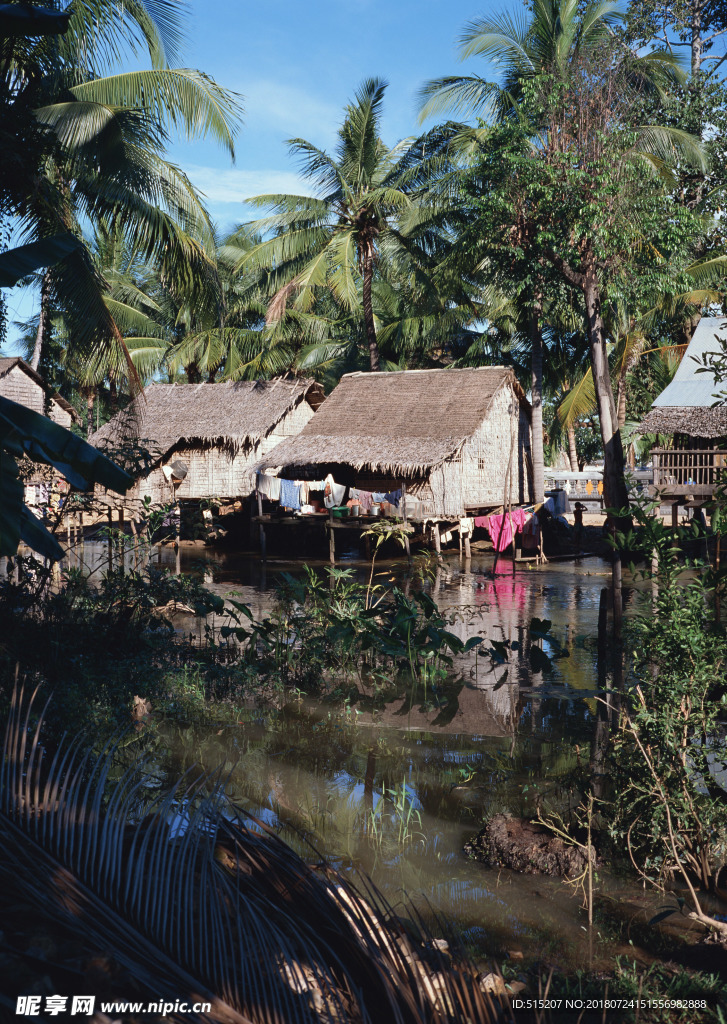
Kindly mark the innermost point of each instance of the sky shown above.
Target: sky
(296, 64)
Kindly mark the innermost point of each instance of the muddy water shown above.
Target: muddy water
(396, 792)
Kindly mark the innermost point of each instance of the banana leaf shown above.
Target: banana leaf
(27, 433)
(15, 264)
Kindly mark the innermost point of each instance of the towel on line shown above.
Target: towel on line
(268, 486)
(290, 494)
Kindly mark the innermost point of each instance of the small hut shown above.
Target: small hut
(204, 439)
(688, 412)
(20, 383)
(457, 441)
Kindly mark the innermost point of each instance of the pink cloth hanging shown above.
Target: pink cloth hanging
(500, 528)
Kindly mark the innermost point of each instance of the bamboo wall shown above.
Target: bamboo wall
(500, 441)
(18, 387)
(215, 471)
(476, 477)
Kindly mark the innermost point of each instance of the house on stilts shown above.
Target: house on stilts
(690, 424)
(20, 383)
(454, 443)
(201, 441)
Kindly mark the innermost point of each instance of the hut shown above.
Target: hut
(457, 441)
(204, 439)
(694, 421)
(20, 383)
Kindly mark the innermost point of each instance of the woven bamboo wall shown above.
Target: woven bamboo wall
(498, 441)
(476, 477)
(216, 471)
(17, 386)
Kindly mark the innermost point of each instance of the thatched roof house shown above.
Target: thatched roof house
(458, 439)
(218, 431)
(22, 384)
(685, 406)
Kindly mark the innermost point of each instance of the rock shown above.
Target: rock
(525, 846)
(515, 954)
(493, 983)
(140, 708)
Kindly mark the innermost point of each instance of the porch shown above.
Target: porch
(688, 473)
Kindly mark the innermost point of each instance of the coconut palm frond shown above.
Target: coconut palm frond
(580, 401)
(196, 899)
(189, 100)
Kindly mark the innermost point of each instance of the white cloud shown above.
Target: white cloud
(295, 113)
(234, 185)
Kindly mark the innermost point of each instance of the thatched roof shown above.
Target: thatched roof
(694, 422)
(400, 424)
(685, 406)
(235, 414)
(8, 362)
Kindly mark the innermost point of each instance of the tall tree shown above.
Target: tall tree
(573, 174)
(334, 239)
(84, 144)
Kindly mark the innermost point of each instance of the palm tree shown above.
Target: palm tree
(97, 149)
(336, 238)
(560, 57)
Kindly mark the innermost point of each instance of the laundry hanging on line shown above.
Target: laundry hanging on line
(334, 493)
(502, 527)
(268, 486)
(290, 494)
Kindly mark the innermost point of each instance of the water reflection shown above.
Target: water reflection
(396, 790)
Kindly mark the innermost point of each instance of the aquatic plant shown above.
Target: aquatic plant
(198, 900)
(669, 799)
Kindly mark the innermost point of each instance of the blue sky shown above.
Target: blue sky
(296, 64)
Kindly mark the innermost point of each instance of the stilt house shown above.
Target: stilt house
(457, 440)
(22, 384)
(691, 420)
(204, 439)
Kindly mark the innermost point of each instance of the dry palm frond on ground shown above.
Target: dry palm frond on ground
(195, 901)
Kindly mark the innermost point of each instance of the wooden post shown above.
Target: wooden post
(467, 546)
(437, 539)
(459, 538)
(110, 517)
(331, 540)
(675, 516)
(263, 538)
(407, 546)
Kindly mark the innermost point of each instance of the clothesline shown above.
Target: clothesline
(294, 494)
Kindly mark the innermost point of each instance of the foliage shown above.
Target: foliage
(669, 800)
(589, 446)
(369, 198)
(24, 432)
(326, 629)
(194, 898)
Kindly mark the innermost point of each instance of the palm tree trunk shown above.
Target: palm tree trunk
(368, 307)
(614, 481)
(572, 451)
(621, 401)
(90, 399)
(43, 321)
(536, 349)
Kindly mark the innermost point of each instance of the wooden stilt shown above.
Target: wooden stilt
(262, 537)
(459, 538)
(675, 516)
(467, 546)
(437, 539)
(331, 540)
